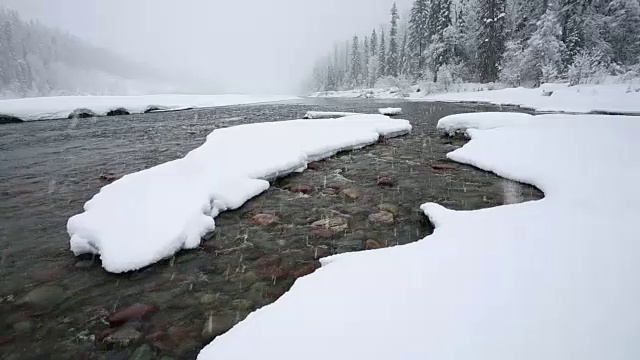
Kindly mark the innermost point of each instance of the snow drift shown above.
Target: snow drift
(149, 215)
(550, 279)
(44, 108)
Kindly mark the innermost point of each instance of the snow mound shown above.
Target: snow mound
(550, 279)
(61, 107)
(390, 111)
(149, 215)
(483, 121)
(327, 114)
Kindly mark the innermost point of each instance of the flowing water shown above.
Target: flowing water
(56, 306)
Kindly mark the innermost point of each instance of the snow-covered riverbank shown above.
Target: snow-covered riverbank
(44, 108)
(621, 98)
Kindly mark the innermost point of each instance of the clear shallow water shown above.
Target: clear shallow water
(54, 305)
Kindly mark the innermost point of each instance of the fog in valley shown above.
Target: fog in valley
(203, 46)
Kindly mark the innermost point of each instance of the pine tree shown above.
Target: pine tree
(439, 22)
(623, 32)
(392, 57)
(373, 67)
(404, 60)
(365, 61)
(572, 20)
(491, 38)
(373, 47)
(418, 36)
(466, 27)
(356, 63)
(382, 55)
(522, 17)
(543, 56)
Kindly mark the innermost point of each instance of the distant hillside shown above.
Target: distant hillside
(36, 60)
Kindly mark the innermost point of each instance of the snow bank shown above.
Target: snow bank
(63, 106)
(149, 215)
(611, 98)
(551, 279)
(390, 111)
(484, 121)
(603, 98)
(327, 114)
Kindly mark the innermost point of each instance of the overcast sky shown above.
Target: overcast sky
(246, 46)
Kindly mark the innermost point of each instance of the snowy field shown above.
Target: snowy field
(607, 98)
(147, 216)
(60, 107)
(550, 279)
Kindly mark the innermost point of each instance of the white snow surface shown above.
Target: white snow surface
(617, 98)
(390, 111)
(149, 215)
(58, 107)
(610, 98)
(327, 114)
(549, 279)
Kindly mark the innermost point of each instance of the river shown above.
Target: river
(54, 305)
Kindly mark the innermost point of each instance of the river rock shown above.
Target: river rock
(124, 336)
(389, 208)
(248, 277)
(49, 275)
(272, 272)
(5, 340)
(83, 264)
(386, 181)
(302, 189)
(335, 224)
(118, 112)
(264, 219)
(115, 355)
(371, 244)
(133, 312)
(305, 269)
(45, 296)
(321, 252)
(351, 193)
(23, 327)
(144, 352)
(242, 304)
(382, 217)
(108, 177)
(322, 233)
(267, 260)
(443, 166)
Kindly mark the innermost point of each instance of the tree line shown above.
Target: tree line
(517, 42)
(36, 60)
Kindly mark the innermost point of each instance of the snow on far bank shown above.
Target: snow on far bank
(602, 98)
(612, 98)
(550, 279)
(149, 215)
(59, 107)
(390, 111)
(327, 114)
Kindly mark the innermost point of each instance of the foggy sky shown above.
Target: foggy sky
(249, 46)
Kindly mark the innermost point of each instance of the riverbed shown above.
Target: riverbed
(57, 306)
